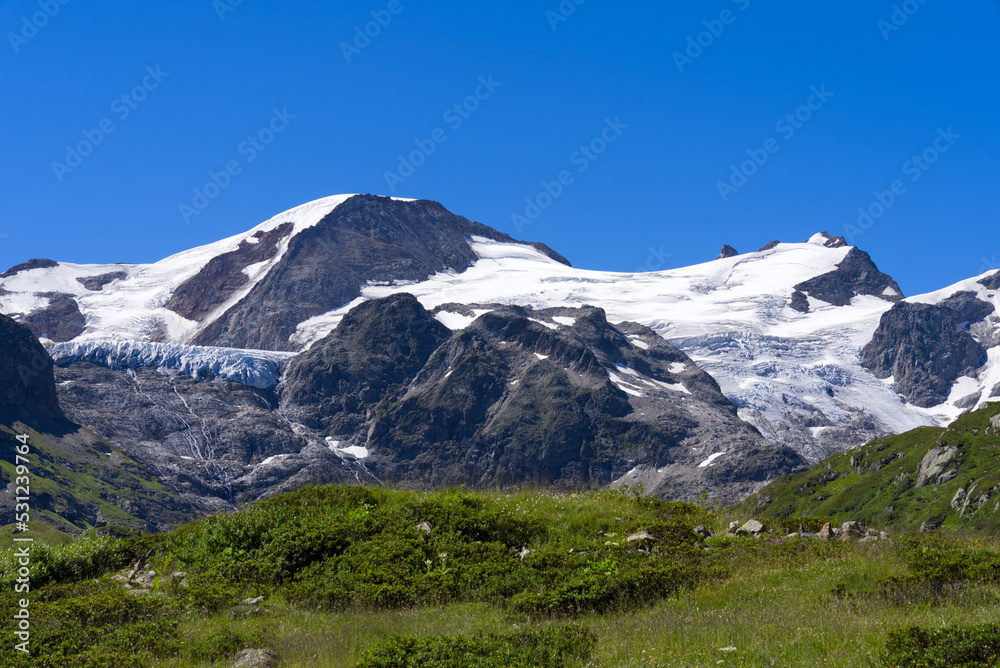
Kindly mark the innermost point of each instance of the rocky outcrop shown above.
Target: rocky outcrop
(932, 466)
(855, 275)
(727, 251)
(60, 320)
(28, 389)
(365, 239)
(224, 274)
(927, 347)
(991, 282)
(97, 283)
(554, 396)
(35, 263)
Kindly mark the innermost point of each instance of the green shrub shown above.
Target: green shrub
(950, 647)
(561, 647)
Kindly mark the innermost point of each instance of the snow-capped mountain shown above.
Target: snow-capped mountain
(814, 346)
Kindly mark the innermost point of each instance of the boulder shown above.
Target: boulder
(851, 530)
(824, 533)
(423, 526)
(256, 658)
(703, 532)
(931, 470)
(750, 528)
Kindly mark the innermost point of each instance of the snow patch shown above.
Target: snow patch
(711, 460)
(563, 320)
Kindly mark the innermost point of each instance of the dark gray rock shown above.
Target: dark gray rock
(96, 283)
(855, 275)
(927, 347)
(515, 397)
(60, 320)
(991, 282)
(768, 246)
(365, 239)
(28, 389)
(35, 263)
(799, 302)
(727, 251)
(223, 275)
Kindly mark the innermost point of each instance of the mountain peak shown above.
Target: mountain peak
(727, 251)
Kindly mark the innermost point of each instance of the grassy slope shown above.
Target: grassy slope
(74, 476)
(864, 483)
(771, 599)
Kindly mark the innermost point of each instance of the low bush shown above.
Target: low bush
(560, 647)
(951, 647)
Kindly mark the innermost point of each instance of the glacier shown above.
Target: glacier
(255, 368)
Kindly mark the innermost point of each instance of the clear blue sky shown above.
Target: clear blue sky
(223, 68)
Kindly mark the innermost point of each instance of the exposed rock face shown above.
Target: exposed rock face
(216, 443)
(61, 320)
(926, 348)
(855, 275)
(727, 251)
(96, 283)
(28, 387)
(224, 275)
(768, 246)
(992, 282)
(932, 466)
(834, 242)
(520, 395)
(365, 239)
(35, 263)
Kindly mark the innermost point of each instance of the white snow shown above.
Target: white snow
(543, 323)
(541, 357)
(134, 308)
(563, 320)
(454, 321)
(638, 343)
(677, 367)
(708, 462)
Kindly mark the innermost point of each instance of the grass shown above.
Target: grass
(773, 601)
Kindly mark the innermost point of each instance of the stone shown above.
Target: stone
(640, 536)
(931, 470)
(252, 601)
(750, 528)
(824, 533)
(703, 531)
(958, 501)
(733, 526)
(423, 526)
(851, 530)
(256, 658)
(524, 552)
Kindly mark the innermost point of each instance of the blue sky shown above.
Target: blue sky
(642, 110)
